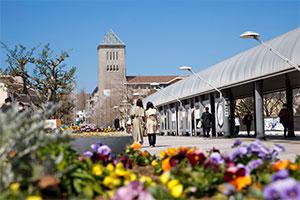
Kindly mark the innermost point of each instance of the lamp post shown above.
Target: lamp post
(222, 106)
(254, 35)
(199, 77)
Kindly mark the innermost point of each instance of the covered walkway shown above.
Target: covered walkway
(251, 73)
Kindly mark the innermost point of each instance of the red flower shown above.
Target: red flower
(195, 157)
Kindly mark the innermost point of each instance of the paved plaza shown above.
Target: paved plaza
(291, 145)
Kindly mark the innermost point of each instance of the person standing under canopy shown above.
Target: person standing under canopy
(206, 118)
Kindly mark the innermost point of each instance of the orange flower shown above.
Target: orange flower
(136, 146)
(165, 165)
(193, 149)
(280, 165)
(257, 186)
(294, 167)
(162, 154)
(182, 148)
(240, 182)
(171, 151)
(12, 154)
(145, 153)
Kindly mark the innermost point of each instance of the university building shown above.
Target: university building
(115, 90)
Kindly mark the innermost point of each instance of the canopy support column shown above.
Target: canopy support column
(289, 102)
(259, 110)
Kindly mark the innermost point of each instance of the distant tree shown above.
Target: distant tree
(49, 80)
(243, 105)
(81, 100)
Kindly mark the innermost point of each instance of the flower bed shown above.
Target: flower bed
(89, 129)
(251, 172)
(99, 134)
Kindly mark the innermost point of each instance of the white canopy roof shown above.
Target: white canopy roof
(255, 63)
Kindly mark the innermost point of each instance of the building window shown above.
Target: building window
(116, 55)
(113, 55)
(111, 68)
(110, 55)
(107, 68)
(117, 67)
(114, 68)
(106, 55)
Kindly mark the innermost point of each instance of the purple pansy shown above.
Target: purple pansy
(104, 150)
(236, 143)
(279, 148)
(113, 157)
(279, 175)
(284, 189)
(254, 164)
(96, 146)
(242, 150)
(88, 154)
(216, 158)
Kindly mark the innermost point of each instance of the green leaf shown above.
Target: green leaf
(76, 184)
(88, 191)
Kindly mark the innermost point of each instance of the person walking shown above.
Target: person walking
(247, 120)
(152, 124)
(206, 118)
(285, 118)
(138, 121)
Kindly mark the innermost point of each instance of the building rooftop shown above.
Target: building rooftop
(111, 39)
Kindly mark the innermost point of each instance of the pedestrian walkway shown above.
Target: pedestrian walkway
(291, 145)
(270, 133)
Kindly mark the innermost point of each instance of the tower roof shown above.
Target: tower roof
(111, 39)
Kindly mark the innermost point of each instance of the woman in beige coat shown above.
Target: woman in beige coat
(152, 124)
(138, 122)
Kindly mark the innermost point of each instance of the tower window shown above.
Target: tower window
(110, 55)
(111, 68)
(117, 66)
(113, 55)
(107, 68)
(114, 68)
(106, 55)
(116, 55)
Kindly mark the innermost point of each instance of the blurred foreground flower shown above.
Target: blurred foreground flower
(134, 190)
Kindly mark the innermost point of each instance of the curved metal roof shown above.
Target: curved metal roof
(255, 63)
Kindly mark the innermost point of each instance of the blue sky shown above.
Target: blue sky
(160, 35)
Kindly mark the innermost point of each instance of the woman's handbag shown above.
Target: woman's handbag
(145, 134)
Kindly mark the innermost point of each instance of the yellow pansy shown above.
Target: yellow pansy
(14, 186)
(162, 154)
(34, 198)
(107, 181)
(173, 183)
(97, 170)
(111, 193)
(116, 182)
(164, 178)
(120, 172)
(119, 166)
(146, 179)
(110, 167)
(177, 190)
(154, 163)
(132, 177)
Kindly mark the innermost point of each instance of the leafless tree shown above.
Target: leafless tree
(81, 100)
